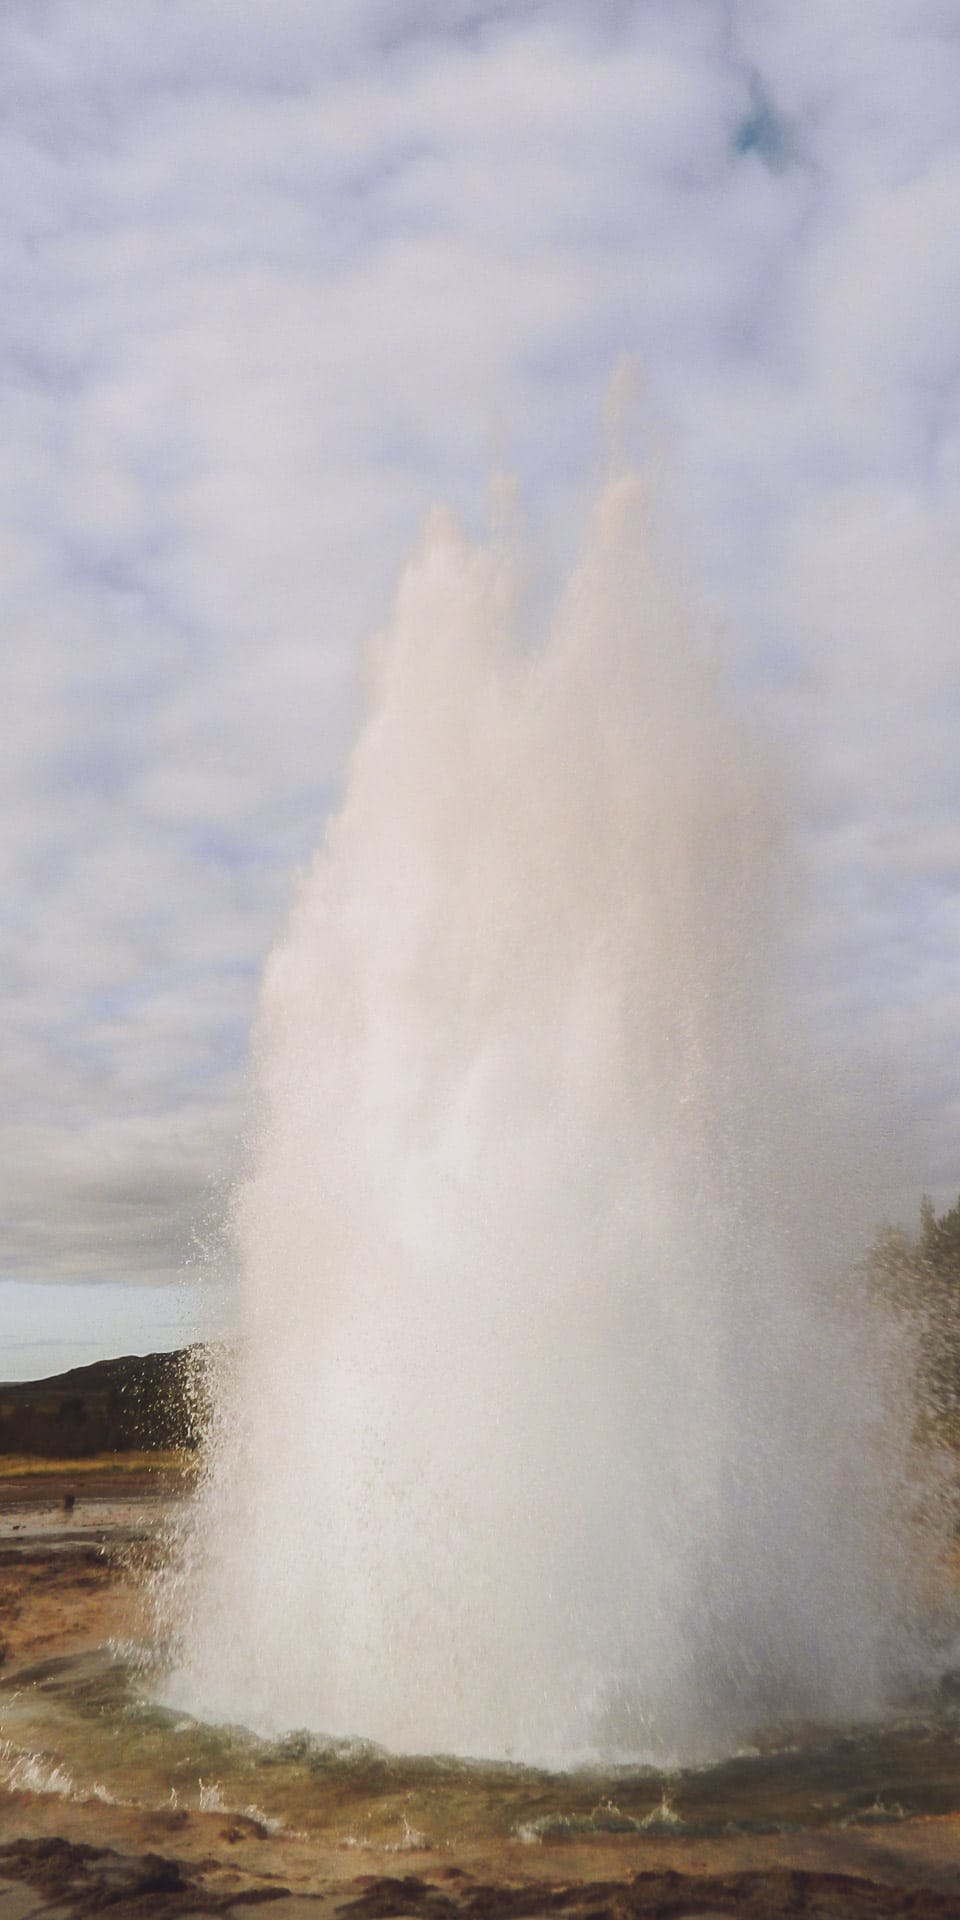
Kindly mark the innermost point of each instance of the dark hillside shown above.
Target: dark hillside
(140, 1401)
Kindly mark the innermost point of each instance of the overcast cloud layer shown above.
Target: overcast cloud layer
(275, 277)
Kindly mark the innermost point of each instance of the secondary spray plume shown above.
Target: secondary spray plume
(544, 1437)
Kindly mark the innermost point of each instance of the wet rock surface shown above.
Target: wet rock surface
(55, 1876)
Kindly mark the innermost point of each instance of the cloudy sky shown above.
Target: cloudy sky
(279, 275)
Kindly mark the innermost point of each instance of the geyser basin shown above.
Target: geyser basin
(546, 1438)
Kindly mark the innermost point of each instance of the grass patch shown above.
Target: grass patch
(16, 1466)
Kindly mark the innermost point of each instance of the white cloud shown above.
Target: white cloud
(273, 280)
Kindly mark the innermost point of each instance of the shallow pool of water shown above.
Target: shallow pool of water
(85, 1725)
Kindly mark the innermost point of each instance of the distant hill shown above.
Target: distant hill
(141, 1401)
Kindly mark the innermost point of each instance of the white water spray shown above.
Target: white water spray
(544, 1438)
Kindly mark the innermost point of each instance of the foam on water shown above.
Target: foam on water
(549, 1433)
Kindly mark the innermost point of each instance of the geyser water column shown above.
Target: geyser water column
(543, 1437)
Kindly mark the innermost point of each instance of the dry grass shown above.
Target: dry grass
(16, 1466)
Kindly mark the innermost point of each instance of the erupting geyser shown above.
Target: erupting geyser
(546, 1436)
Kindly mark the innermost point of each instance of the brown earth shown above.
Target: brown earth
(64, 1856)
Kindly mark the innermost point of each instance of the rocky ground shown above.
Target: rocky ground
(63, 1592)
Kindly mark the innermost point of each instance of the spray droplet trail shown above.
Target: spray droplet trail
(545, 1439)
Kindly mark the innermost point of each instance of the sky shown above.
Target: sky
(275, 279)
